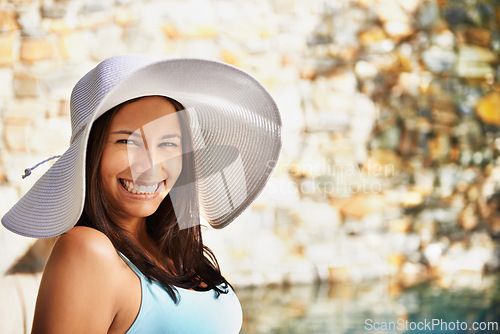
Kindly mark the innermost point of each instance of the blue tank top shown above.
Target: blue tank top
(197, 312)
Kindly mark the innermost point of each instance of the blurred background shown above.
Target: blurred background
(385, 202)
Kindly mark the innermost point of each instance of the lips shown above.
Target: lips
(140, 189)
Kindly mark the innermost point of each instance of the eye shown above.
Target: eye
(128, 142)
(168, 144)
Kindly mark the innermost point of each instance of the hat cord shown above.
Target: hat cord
(27, 171)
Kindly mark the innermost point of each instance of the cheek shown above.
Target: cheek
(173, 167)
(112, 164)
(177, 167)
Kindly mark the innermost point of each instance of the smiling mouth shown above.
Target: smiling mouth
(133, 188)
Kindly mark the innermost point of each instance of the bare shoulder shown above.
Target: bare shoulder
(86, 241)
(83, 257)
(82, 249)
(78, 284)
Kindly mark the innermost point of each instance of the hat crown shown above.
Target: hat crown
(96, 84)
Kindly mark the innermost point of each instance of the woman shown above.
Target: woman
(154, 144)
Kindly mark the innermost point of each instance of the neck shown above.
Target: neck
(136, 228)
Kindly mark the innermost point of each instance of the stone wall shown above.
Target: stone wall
(391, 113)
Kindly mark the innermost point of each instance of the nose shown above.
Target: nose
(146, 163)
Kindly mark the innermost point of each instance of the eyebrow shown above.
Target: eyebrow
(173, 135)
(136, 134)
(126, 132)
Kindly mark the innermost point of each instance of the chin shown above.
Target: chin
(142, 212)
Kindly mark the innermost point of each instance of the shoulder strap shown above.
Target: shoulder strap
(130, 264)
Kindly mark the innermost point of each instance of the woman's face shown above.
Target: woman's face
(142, 157)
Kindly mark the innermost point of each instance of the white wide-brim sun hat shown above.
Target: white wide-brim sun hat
(227, 108)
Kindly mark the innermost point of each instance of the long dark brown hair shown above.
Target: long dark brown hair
(189, 263)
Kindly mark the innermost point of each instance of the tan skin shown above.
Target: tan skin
(86, 287)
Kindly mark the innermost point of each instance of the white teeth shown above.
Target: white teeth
(136, 189)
